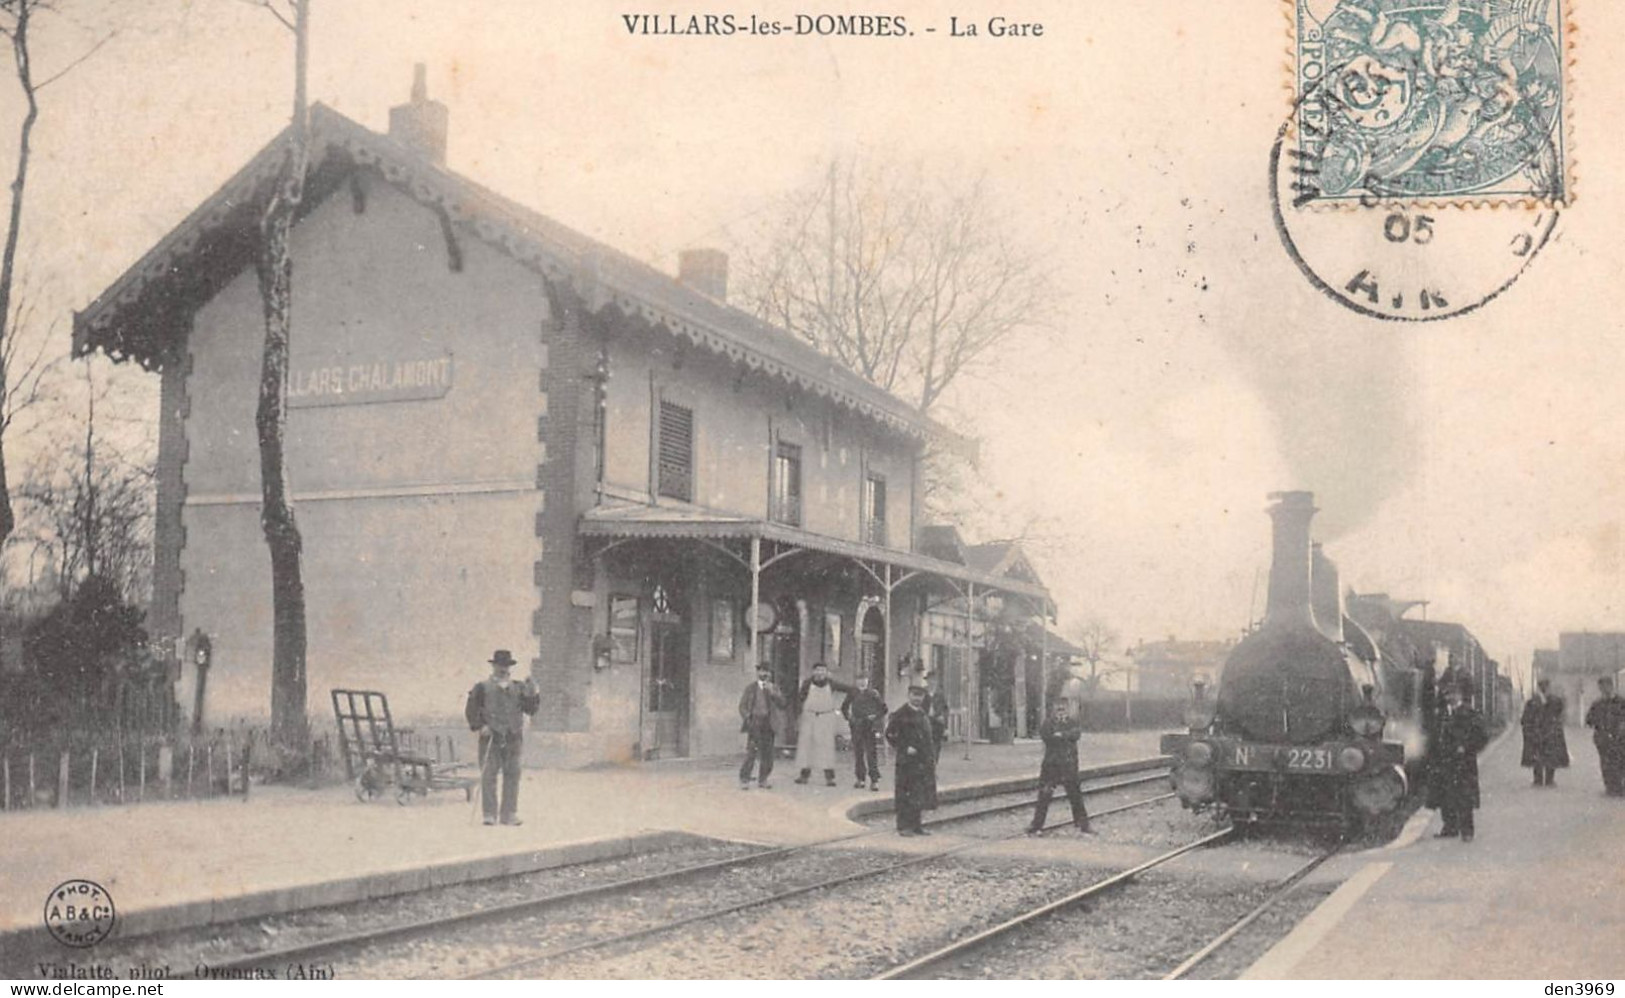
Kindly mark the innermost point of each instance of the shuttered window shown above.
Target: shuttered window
(787, 484)
(676, 452)
(874, 508)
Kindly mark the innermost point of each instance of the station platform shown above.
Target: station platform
(1538, 895)
(185, 863)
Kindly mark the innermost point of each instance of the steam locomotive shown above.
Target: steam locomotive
(1322, 713)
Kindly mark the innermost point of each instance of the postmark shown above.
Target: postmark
(79, 913)
(1434, 102)
(1406, 239)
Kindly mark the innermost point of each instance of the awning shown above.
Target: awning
(642, 521)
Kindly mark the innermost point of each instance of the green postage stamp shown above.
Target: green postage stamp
(1434, 101)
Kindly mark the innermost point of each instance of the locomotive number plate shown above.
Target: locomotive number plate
(1277, 758)
(1312, 760)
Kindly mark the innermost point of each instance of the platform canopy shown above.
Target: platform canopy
(889, 566)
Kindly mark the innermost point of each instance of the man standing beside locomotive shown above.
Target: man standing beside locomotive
(1606, 719)
(864, 709)
(1060, 766)
(1453, 782)
(1545, 749)
(496, 707)
(909, 734)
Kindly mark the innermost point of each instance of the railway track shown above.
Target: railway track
(960, 947)
(314, 950)
(1219, 941)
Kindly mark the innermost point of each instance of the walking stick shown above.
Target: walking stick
(485, 745)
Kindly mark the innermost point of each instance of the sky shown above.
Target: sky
(1475, 463)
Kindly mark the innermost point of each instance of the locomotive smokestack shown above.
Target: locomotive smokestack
(1289, 570)
(1323, 594)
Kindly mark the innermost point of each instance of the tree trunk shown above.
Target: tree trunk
(8, 257)
(274, 264)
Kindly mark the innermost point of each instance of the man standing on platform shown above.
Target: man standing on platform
(1453, 782)
(756, 706)
(496, 708)
(1060, 767)
(864, 709)
(1545, 749)
(1606, 719)
(909, 734)
(820, 714)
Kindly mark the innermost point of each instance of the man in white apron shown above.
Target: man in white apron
(820, 700)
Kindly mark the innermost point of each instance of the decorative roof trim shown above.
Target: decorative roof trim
(601, 276)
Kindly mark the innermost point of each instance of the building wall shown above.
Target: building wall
(419, 517)
(737, 418)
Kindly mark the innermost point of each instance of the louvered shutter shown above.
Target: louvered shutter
(676, 451)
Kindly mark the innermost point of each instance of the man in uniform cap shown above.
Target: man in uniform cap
(1545, 749)
(909, 734)
(496, 707)
(1606, 719)
(1060, 766)
(1453, 764)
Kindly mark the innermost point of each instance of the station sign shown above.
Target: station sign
(363, 380)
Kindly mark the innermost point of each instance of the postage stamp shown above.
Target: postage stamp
(1434, 102)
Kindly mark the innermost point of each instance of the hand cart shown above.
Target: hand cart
(375, 759)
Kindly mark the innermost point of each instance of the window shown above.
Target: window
(676, 452)
(623, 628)
(723, 629)
(787, 484)
(874, 508)
(831, 650)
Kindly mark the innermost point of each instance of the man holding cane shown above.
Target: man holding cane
(496, 708)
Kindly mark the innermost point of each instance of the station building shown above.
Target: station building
(505, 434)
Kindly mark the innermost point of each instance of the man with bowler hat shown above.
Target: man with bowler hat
(496, 709)
(909, 734)
(756, 706)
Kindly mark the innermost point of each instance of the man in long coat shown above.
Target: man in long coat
(496, 708)
(757, 705)
(909, 734)
(1453, 764)
(1606, 719)
(1060, 733)
(1545, 749)
(820, 700)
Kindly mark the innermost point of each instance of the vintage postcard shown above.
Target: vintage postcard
(565, 491)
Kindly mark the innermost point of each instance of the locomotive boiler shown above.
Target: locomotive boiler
(1311, 722)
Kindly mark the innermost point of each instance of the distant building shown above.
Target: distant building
(1169, 668)
(1583, 657)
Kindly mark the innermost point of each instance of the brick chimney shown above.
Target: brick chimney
(421, 125)
(704, 270)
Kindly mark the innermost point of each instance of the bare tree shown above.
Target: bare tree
(274, 266)
(92, 515)
(19, 374)
(1095, 639)
(907, 282)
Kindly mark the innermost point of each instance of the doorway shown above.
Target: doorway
(666, 680)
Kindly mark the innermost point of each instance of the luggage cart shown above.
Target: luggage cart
(374, 759)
